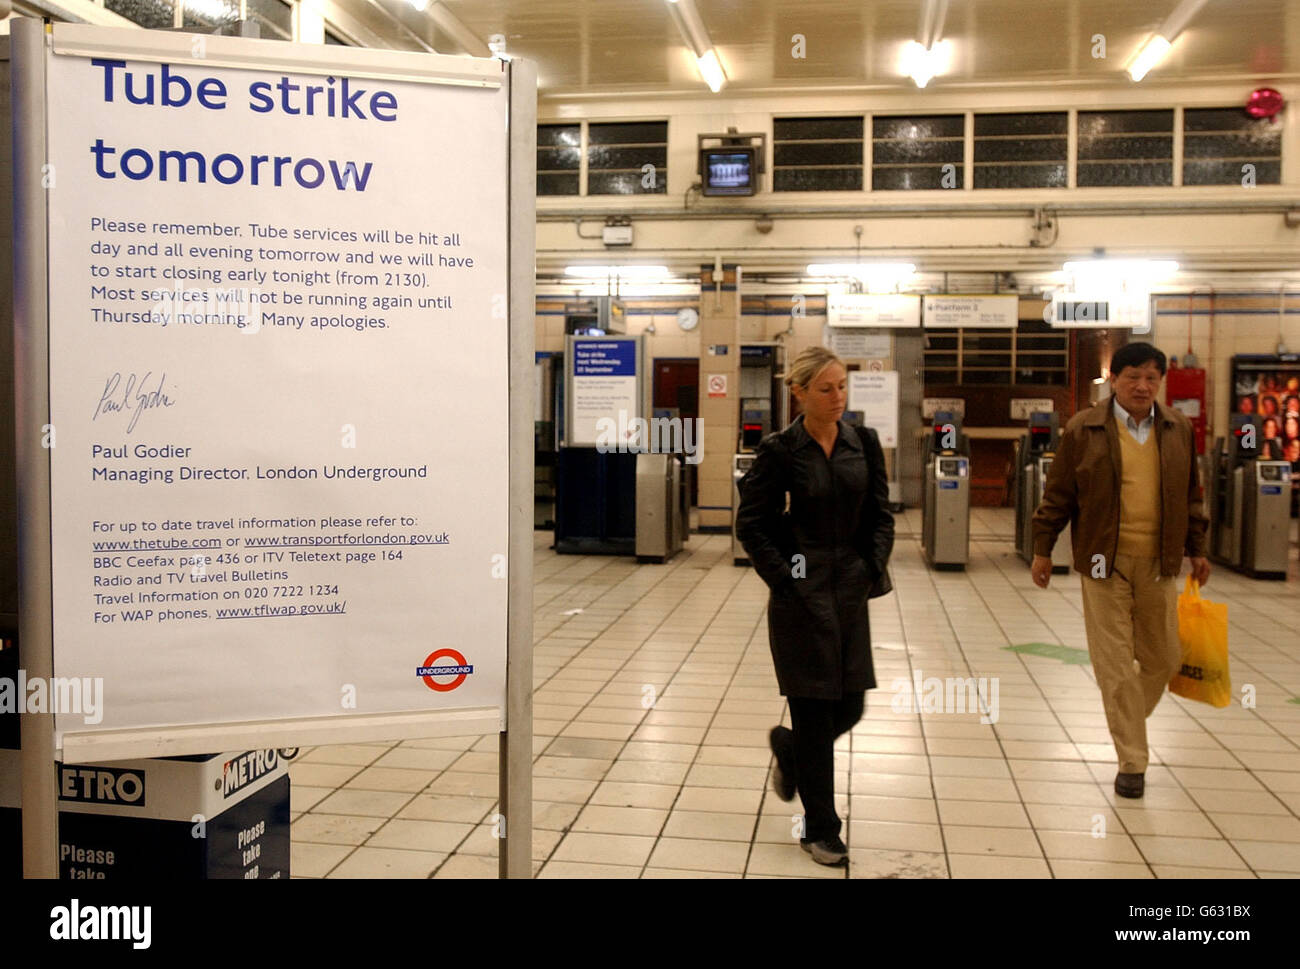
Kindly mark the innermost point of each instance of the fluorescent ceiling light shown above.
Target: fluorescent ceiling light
(922, 64)
(1151, 54)
(1157, 47)
(1113, 272)
(878, 277)
(664, 290)
(861, 270)
(711, 70)
(696, 35)
(622, 272)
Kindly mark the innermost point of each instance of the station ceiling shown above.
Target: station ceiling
(633, 47)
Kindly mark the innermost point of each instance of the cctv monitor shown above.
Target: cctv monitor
(729, 171)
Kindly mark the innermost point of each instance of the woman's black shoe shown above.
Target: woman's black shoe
(827, 851)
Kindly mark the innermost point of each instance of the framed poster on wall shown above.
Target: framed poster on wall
(1268, 386)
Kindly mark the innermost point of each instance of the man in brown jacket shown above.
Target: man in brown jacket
(1125, 478)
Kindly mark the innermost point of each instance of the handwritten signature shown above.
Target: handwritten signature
(119, 396)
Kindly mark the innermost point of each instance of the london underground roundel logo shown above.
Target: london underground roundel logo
(458, 668)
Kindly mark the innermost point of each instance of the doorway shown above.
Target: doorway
(676, 391)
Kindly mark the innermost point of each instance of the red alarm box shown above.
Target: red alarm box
(1185, 391)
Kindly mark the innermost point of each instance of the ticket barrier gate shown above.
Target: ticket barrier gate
(740, 465)
(1249, 504)
(1035, 452)
(945, 506)
(662, 506)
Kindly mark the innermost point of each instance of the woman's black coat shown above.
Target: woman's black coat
(839, 522)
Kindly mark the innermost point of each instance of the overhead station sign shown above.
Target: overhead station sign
(971, 312)
(871, 309)
(279, 382)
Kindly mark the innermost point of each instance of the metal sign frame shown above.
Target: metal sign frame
(31, 43)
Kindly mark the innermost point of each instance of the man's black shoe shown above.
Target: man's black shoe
(827, 851)
(780, 739)
(1130, 785)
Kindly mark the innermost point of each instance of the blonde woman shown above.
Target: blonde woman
(814, 519)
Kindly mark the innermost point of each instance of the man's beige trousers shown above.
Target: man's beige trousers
(1132, 616)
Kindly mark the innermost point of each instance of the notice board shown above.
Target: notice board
(279, 376)
(875, 395)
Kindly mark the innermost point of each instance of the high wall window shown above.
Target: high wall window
(155, 14)
(559, 158)
(817, 154)
(919, 152)
(627, 158)
(275, 17)
(1033, 353)
(209, 13)
(1126, 148)
(1021, 150)
(1226, 146)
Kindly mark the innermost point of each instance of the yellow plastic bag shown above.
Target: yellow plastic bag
(1203, 633)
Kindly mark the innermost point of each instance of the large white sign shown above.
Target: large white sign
(970, 312)
(875, 395)
(279, 382)
(604, 371)
(1022, 407)
(933, 405)
(1100, 311)
(870, 309)
(859, 343)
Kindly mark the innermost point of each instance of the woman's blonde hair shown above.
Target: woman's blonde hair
(809, 363)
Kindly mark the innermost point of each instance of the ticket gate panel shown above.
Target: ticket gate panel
(946, 514)
(1266, 514)
(1063, 550)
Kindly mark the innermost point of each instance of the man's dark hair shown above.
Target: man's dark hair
(1135, 355)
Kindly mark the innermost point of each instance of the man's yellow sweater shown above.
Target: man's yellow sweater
(1139, 497)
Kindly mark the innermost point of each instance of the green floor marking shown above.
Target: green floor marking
(1066, 654)
(1294, 699)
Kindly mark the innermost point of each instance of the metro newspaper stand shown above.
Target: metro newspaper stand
(444, 150)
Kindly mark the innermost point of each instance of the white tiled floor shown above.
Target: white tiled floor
(652, 707)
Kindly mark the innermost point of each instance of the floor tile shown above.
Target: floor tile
(337, 829)
(382, 804)
(1196, 852)
(710, 826)
(410, 834)
(997, 866)
(308, 860)
(980, 840)
(1099, 869)
(606, 849)
(621, 820)
(571, 869)
(896, 835)
(699, 855)
(387, 863)
(718, 799)
(995, 814)
(883, 863)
